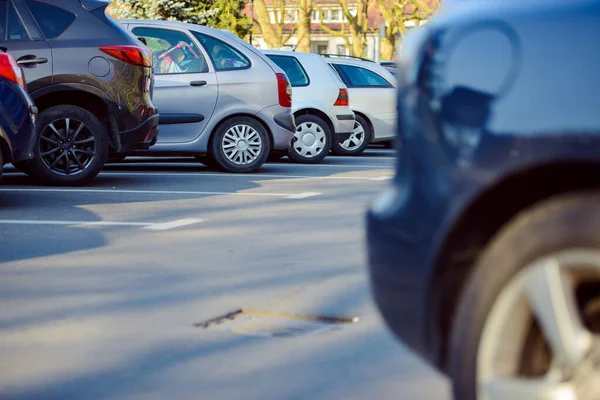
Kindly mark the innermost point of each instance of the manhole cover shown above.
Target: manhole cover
(260, 323)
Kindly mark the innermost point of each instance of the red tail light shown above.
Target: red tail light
(284, 88)
(343, 99)
(11, 70)
(134, 55)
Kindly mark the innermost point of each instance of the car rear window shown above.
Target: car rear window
(361, 77)
(292, 68)
(53, 21)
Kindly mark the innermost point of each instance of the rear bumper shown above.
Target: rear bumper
(281, 124)
(141, 137)
(343, 125)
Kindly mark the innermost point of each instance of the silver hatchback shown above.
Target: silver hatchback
(219, 100)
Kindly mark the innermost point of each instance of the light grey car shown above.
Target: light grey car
(219, 100)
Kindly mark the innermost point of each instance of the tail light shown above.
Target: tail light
(134, 55)
(10, 70)
(343, 99)
(284, 88)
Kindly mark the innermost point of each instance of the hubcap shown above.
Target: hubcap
(555, 303)
(67, 146)
(309, 140)
(242, 144)
(356, 139)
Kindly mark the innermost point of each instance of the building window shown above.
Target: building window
(341, 49)
(326, 15)
(315, 17)
(336, 15)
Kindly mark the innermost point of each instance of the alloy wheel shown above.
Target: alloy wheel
(542, 337)
(356, 139)
(67, 146)
(309, 139)
(242, 144)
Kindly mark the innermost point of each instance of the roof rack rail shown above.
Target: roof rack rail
(346, 56)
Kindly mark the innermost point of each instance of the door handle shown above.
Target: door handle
(198, 83)
(31, 60)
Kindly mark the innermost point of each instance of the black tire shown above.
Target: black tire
(218, 153)
(390, 144)
(91, 145)
(321, 151)
(276, 155)
(565, 222)
(22, 166)
(207, 160)
(361, 122)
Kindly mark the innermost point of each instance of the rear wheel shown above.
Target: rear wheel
(241, 144)
(528, 322)
(358, 140)
(72, 146)
(311, 141)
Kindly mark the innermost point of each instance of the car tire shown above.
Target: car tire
(87, 149)
(240, 144)
(390, 144)
(22, 166)
(207, 160)
(277, 155)
(312, 140)
(357, 142)
(556, 228)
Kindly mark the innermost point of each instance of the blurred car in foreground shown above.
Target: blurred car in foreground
(372, 92)
(17, 114)
(220, 100)
(321, 105)
(484, 253)
(90, 79)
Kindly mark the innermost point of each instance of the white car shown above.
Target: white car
(372, 90)
(320, 104)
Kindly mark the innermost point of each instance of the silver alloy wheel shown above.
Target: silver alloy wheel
(242, 144)
(309, 139)
(544, 292)
(356, 139)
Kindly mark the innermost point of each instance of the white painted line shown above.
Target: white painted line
(184, 174)
(382, 178)
(124, 191)
(315, 166)
(79, 223)
(173, 224)
(303, 195)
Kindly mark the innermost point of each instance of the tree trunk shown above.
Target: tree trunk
(261, 16)
(388, 46)
(304, 26)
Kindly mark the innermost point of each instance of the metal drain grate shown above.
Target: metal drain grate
(259, 323)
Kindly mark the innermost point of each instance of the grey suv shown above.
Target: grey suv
(220, 99)
(91, 80)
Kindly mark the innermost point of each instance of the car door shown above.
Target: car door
(373, 95)
(21, 38)
(185, 84)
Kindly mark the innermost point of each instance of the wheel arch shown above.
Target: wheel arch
(316, 113)
(368, 122)
(474, 229)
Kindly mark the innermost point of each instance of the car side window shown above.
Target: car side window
(223, 56)
(15, 29)
(292, 68)
(173, 52)
(53, 21)
(361, 77)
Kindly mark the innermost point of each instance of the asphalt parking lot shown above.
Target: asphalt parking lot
(114, 290)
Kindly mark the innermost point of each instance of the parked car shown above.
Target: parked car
(220, 100)
(484, 252)
(391, 66)
(17, 114)
(90, 79)
(321, 105)
(373, 93)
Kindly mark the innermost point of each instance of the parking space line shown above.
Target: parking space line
(133, 191)
(183, 173)
(173, 224)
(303, 195)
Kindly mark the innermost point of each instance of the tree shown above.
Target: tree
(396, 14)
(272, 34)
(358, 25)
(304, 25)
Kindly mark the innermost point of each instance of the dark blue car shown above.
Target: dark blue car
(484, 253)
(17, 114)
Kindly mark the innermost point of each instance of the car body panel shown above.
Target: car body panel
(464, 132)
(322, 91)
(377, 104)
(17, 122)
(227, 93)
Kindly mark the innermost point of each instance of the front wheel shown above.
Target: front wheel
(241, 144)
(72, 146)
(311, 141)
(528, 322)
(357, 142)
